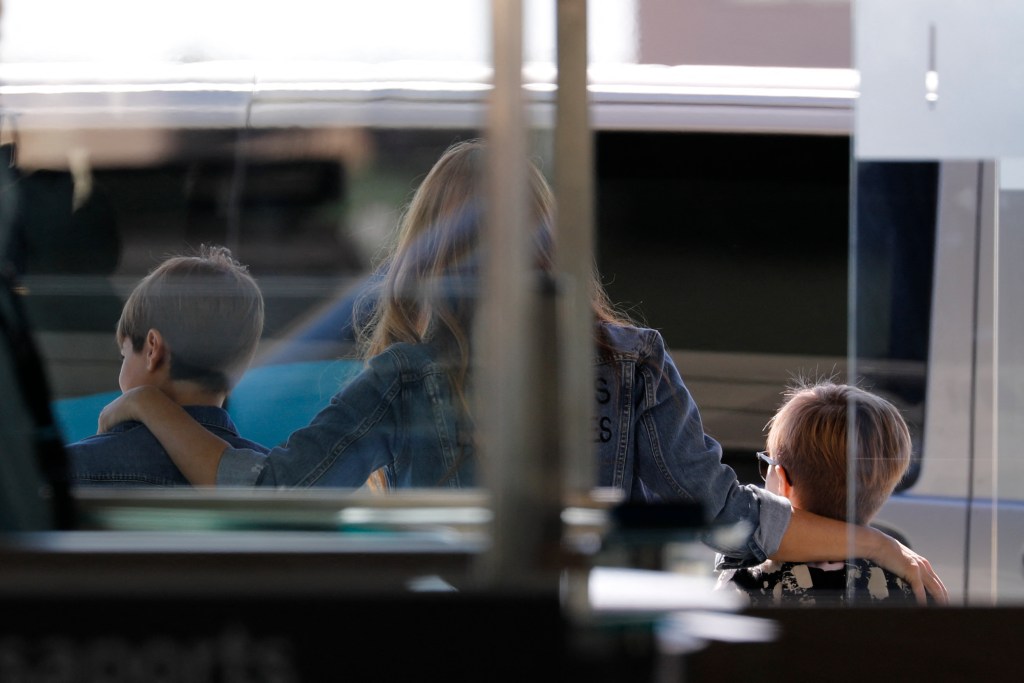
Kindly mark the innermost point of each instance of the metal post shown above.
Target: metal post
(574, 194)
(508, 384)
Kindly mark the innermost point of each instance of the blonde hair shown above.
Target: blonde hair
(429, 289)
(209, 311)
(809, 437)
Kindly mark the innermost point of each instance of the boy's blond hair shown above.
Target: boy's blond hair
(808, 436)
(209, 311)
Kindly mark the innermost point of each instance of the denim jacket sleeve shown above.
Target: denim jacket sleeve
(351, 437)
(676, 459)
(398, 412)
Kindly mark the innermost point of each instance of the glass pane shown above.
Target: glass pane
(721, 190)
(303, 158)
(298, 157)
(1006, 493)
(933, 304)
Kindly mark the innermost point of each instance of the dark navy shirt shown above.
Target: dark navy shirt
(130, 456)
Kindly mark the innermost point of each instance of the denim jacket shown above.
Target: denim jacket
(651, 444)
(650, 441)
(399, 413)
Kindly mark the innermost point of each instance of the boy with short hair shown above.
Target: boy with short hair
(190, 328)
(806, 461)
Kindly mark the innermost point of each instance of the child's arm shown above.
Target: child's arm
(193, 448)
(812, 538)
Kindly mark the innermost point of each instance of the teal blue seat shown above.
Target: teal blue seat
(77, 417)
(272, 401)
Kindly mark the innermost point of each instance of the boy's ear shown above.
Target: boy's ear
(785, 488)
(156, 350)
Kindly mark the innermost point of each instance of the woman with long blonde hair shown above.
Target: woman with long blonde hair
(429, 292)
